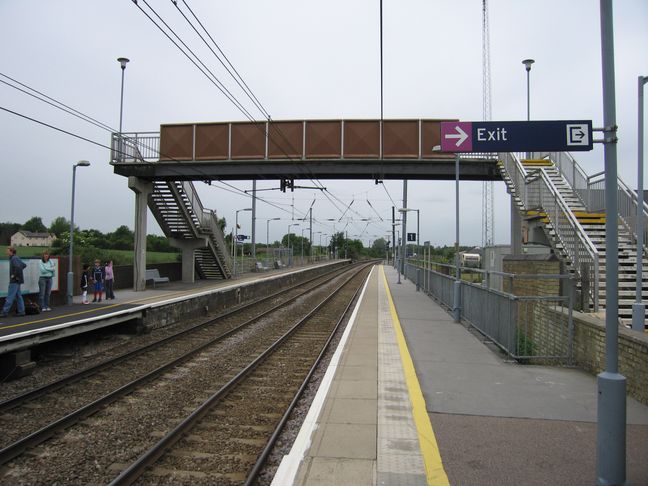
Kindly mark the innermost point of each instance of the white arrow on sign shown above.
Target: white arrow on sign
(461, 136)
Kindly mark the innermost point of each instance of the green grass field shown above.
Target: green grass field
(124, 257)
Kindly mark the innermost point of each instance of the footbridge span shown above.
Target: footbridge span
(557, 201)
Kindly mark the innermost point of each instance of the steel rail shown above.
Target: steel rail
(254, 472)
(75, 377)
(137, 468)
(15, 449)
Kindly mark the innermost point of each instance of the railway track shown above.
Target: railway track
(207, 367)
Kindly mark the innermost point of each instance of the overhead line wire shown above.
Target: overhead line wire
(246, 89)
(215, 81)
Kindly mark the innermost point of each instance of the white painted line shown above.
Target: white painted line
(289, 465)
(41, 330)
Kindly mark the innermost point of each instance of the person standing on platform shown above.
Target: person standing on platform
(98, 275)
(16, 279)
(46, 274)
(84, 284)
(110, 280)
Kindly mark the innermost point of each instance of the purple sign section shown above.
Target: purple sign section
(456, 137)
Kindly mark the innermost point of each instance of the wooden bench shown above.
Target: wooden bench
(278, 264)
(153, 275)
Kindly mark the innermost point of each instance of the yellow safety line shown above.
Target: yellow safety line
(136, 301)
(436, 475)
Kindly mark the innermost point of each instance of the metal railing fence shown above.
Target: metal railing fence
(591, 191)
(135, 147)
(536, 192)
(527, 327)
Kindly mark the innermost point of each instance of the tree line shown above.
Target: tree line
(88, 243)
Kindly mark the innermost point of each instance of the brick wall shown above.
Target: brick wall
(589, 353)
(547, 328)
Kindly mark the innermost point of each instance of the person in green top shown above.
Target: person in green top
(46, 274)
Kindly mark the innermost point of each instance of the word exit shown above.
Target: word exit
(516, 136)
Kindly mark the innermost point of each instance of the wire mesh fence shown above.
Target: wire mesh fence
(531, 319)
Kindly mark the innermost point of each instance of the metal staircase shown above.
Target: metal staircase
(552, 187)
(177, 207)
(179, 212)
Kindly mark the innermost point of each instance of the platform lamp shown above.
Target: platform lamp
(70, 275)
(234, 241)
(527, 64)
(289, 246)
(268, 234)
(122, 61)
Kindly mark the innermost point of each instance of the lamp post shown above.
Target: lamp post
(396, 251)
(325, 235)
(268, 234)
(333, 237)
(418, 223)
(527, 64)
(122, 61)
(235, 239)
(70, 275)
(320, 243)
(638, 308)
(289, 247)
(302, 244)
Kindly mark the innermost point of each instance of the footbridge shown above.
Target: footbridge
(554, 201)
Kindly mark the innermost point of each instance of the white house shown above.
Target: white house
(29, 238)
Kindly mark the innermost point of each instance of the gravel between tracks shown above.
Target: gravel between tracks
(124, 429)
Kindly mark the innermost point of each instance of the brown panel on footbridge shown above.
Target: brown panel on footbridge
(311, 139)
(298, 149)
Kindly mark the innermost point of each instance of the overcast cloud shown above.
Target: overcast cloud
(303, 60)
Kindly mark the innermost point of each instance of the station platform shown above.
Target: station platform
(22, 332)
(411, 397)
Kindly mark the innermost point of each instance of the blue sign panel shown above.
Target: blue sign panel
(517, 136)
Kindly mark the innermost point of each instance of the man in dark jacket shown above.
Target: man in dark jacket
(16, 279)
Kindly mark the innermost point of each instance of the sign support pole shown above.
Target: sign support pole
(611, 430)
(456, 308)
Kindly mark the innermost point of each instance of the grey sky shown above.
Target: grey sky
(303, 60)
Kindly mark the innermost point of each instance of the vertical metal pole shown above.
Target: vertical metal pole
(528, 71)
(121, 114)
(418, 230)
(394, 235)
(268, 238)
(611, 430)
(70, 274)
(456, 309)
(638, 308)
(310, 251)
(403, 233)
(254, 218)
(234, 242)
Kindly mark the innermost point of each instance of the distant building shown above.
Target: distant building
(29, 238)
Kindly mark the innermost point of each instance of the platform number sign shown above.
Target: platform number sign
(411, 236)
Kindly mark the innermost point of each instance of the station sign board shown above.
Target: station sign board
(517, 136)
(411, 236)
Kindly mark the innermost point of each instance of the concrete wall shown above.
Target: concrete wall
(219, 300)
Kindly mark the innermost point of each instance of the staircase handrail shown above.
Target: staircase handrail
(627, 204)
(207, 218)
(536, 191)
(590, 190)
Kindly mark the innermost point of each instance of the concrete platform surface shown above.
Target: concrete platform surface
(486, 421)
